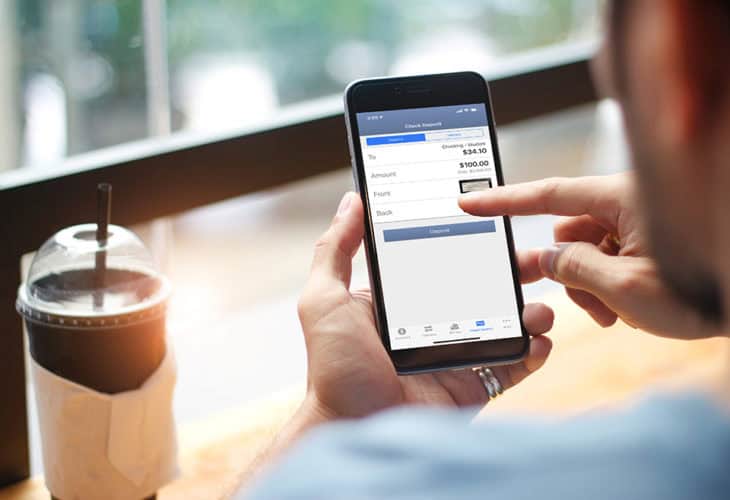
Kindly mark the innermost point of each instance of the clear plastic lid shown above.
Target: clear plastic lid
(76, 279)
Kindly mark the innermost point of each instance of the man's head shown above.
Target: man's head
(667, 62)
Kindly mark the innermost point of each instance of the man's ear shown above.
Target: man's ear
(691, 43)
(676, 53)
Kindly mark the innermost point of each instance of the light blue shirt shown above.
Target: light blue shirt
(662, 449)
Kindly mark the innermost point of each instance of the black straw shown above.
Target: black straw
(103, 215)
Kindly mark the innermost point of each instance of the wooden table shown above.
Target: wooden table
(590, 368)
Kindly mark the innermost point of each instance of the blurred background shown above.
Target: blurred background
(82, 77)
(79, 75)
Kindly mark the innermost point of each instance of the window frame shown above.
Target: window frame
(37, 203)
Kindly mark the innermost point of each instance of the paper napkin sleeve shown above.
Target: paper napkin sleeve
(114, 446)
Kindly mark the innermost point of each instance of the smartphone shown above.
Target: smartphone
(445, 286)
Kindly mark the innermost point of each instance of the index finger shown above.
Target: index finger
(557, 196)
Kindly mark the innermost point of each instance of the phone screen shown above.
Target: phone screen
(446, 276)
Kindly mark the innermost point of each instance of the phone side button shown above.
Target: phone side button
(354, 174)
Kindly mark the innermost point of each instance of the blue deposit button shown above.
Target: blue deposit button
(440, 231)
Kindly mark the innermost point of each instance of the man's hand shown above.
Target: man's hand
(349, 372)
(601, 253)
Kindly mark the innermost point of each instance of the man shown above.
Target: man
(666, 272)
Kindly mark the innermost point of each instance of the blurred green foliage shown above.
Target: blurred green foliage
(289, 39)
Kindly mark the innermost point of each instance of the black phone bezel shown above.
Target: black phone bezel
(383, 94)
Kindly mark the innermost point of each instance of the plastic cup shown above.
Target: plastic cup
(105, 332)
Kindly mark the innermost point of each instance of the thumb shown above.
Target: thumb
(334, 250)
(582, 266)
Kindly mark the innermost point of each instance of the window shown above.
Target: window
(80, 75)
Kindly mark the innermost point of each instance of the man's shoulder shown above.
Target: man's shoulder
(664, 447)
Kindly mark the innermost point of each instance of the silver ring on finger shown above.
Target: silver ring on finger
(491, 383)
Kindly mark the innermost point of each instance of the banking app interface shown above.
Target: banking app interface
(446, 275)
